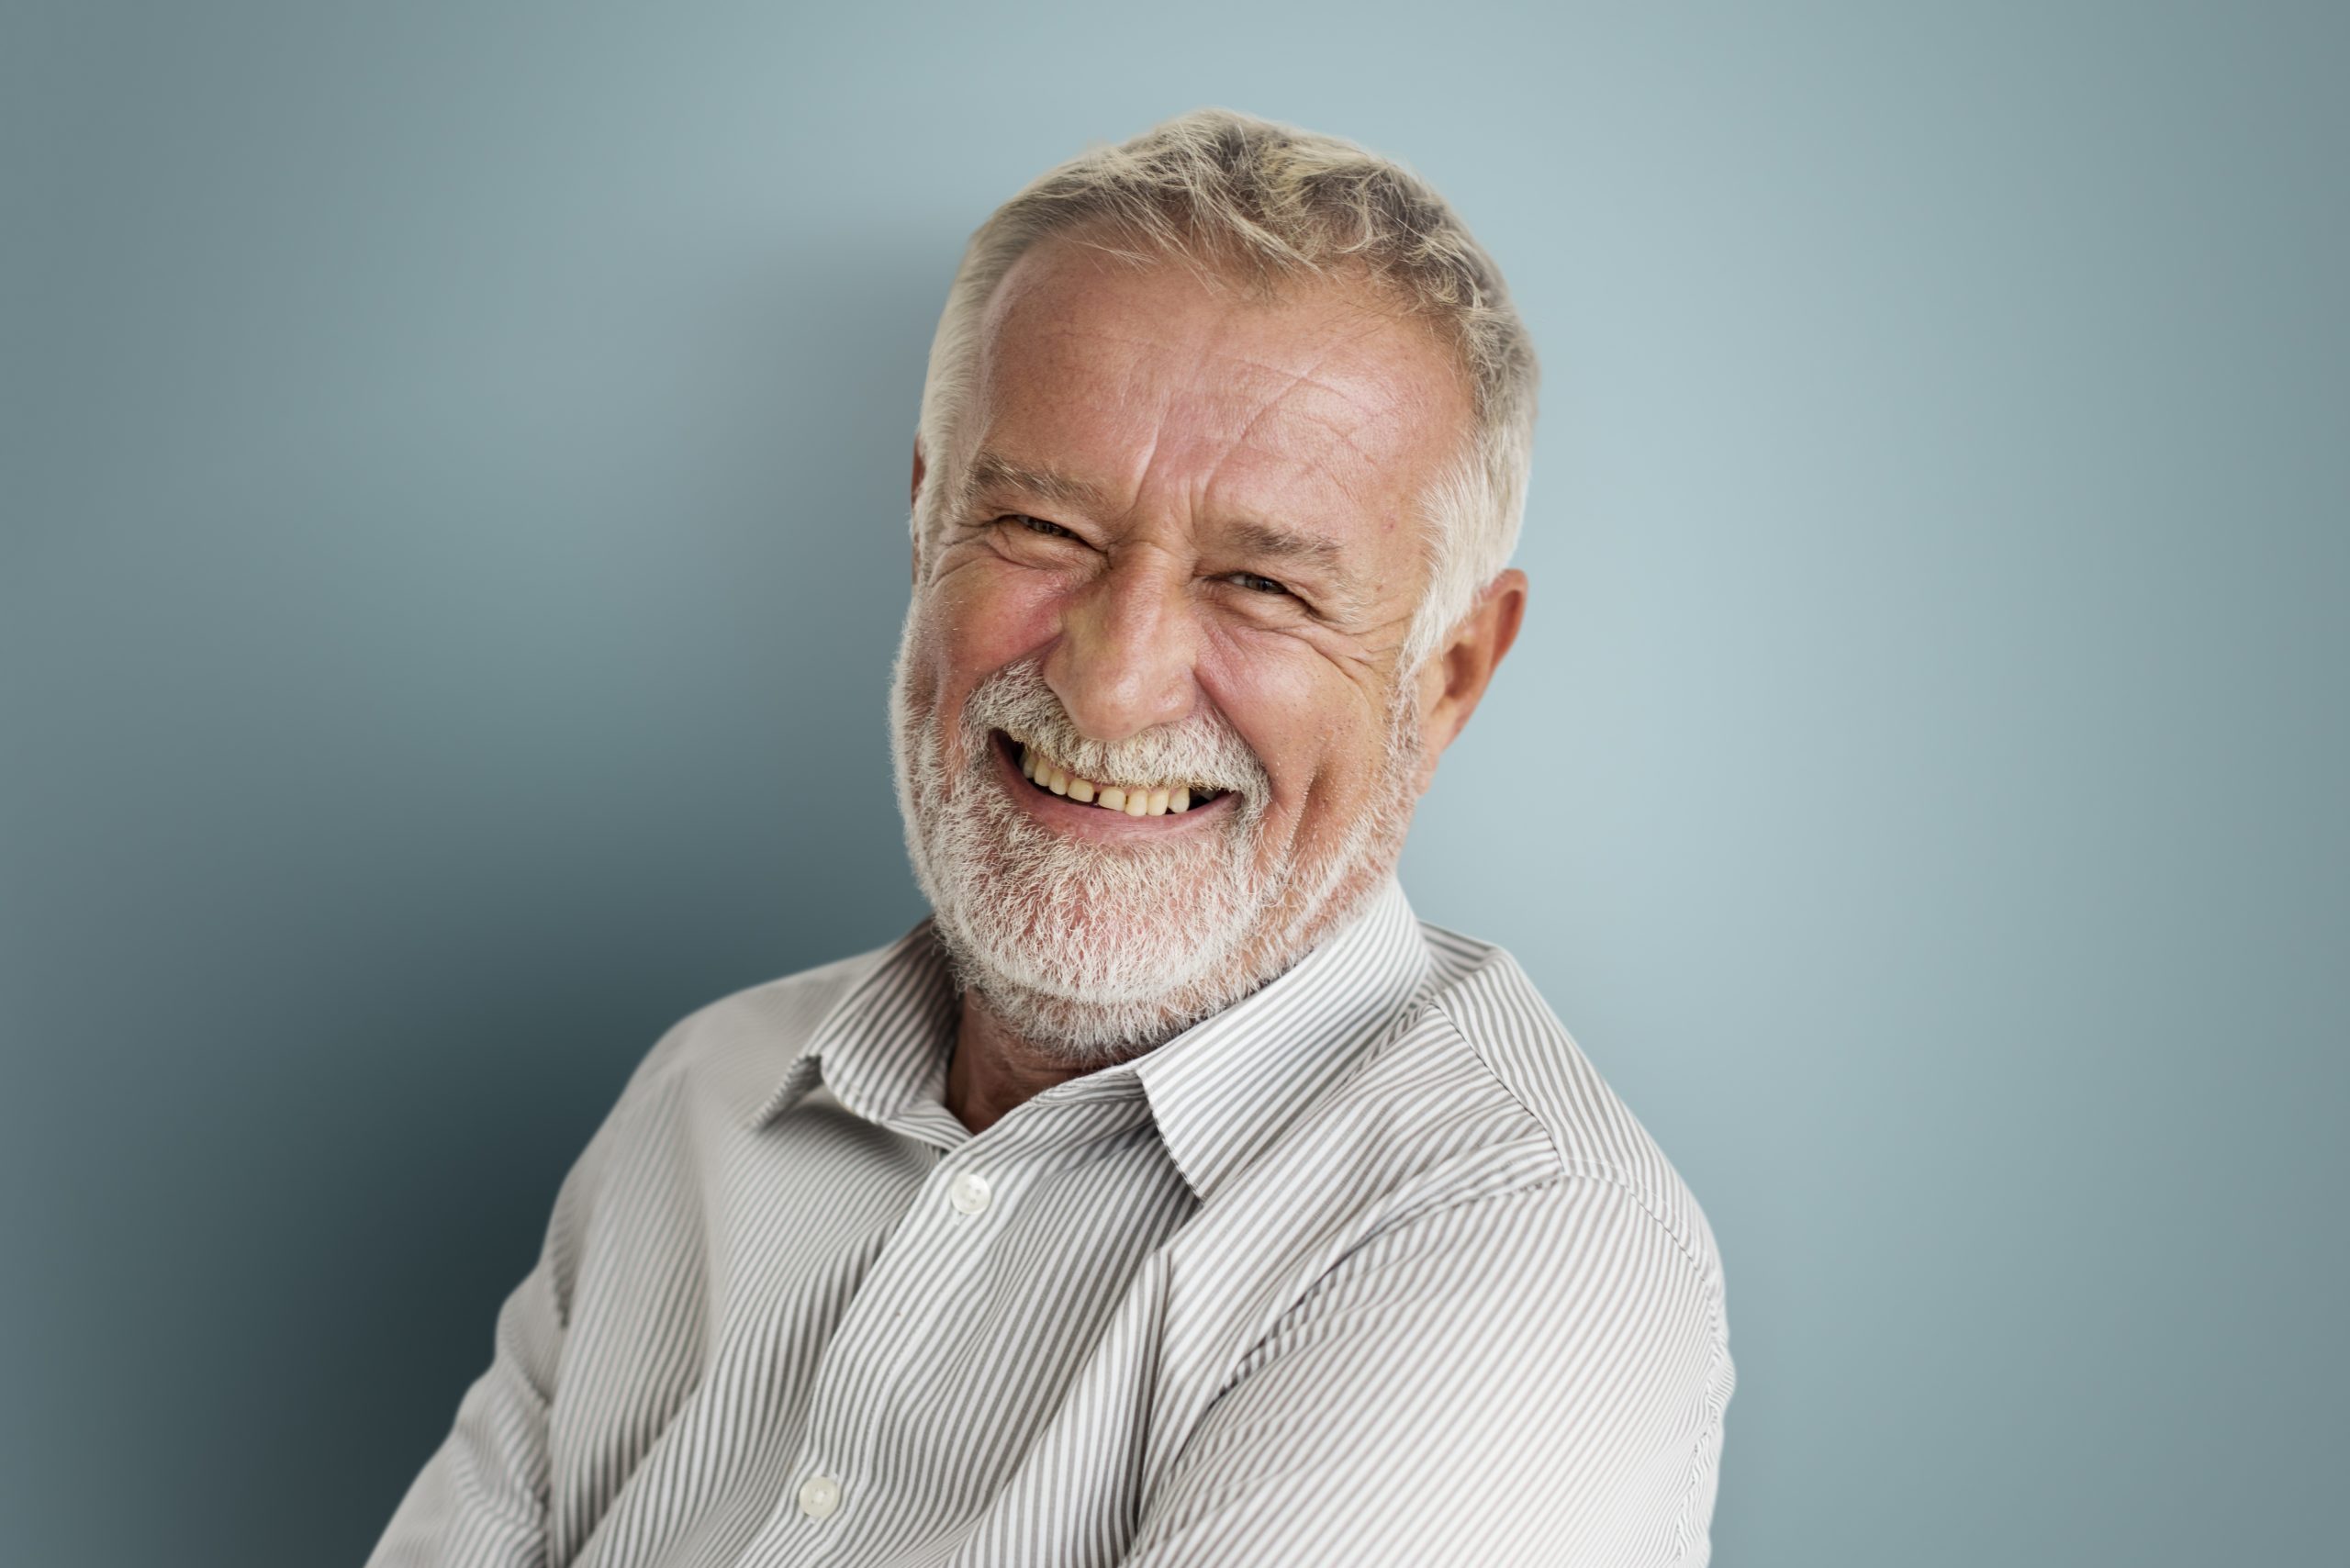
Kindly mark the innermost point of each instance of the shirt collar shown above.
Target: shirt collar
(1225, 1088)
(1221, 1092)
(882, 1050)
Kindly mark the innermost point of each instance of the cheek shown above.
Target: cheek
(986, 613)
(976, 618)
(1312, 728)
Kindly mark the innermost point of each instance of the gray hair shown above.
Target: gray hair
(1232, 194)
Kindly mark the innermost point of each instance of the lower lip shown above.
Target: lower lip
(1098, 823)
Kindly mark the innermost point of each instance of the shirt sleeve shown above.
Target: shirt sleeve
(480, 1501)
(1535, 1378)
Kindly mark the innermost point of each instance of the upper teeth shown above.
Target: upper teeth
(1154, 802)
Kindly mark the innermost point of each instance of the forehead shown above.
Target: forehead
(1318, 403)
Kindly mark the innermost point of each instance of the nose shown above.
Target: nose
(1123, 660)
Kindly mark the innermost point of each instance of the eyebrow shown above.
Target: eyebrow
(993, 472)
(1265, 539)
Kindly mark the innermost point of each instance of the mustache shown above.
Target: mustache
(1202, 750)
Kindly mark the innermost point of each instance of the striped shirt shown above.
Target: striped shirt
(1368, 1268)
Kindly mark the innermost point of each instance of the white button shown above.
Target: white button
(967, 1193)
(819, 1495)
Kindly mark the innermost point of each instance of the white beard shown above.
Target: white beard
(1094, 953)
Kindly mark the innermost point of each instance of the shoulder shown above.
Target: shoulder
(1479, 1094)
(1495, 1013)
(1478, 1239)
(713, 1067)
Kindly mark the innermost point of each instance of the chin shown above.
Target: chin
(1096, 942)
(1086, 994)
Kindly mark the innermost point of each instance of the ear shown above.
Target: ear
(914, 499)
(1454, 679)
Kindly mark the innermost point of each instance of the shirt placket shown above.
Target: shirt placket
(920, 1276)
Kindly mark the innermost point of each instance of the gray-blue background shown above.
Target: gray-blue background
(454, 462)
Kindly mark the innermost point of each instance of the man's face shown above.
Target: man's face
(1182, 548)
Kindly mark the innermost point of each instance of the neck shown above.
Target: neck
(994, 1068)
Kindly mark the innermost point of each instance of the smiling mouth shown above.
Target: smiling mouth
(1171, 798)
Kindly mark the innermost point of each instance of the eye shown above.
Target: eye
(1256, 584)
(1038, 525)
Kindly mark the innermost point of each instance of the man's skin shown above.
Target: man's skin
(1202, 499)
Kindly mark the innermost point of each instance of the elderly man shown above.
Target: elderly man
(1172, 1195)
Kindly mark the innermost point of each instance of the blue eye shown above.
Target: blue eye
(1038, 525)
(1256, 584)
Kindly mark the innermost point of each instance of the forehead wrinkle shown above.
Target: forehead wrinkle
(1292, 376)
(1338, 432)
(1344, 434)
(1268, 405)
(1368, 391)
(1372, 397)
(1348, 325)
